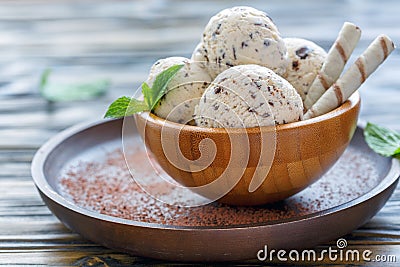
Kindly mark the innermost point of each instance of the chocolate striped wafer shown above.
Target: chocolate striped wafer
(333, 66)
(352, 79)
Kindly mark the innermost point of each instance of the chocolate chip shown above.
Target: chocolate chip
(244, 44)
(251, 35)
(303, 52)
(217, 31)
(258, 84)
(271, 103)
(234, 52)
(217, 90)
(265, 115)
(268, 16)
(295, 65)
(266, 42)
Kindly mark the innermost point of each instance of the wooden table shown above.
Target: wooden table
(120, 40)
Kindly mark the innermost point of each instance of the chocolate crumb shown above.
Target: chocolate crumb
(105, 186)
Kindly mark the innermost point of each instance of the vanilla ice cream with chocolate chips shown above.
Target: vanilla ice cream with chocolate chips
(242, 35)
(248, 96)
(183, 91)
(306, 59)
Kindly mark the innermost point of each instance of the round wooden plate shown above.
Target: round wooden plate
(203, 243)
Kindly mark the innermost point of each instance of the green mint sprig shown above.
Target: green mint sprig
(59, 92)
(382, 140)
(126, 106)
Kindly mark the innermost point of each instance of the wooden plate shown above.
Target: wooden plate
(324, 211)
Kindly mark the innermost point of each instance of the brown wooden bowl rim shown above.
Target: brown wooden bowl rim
(352, 102)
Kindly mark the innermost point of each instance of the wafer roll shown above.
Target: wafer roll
(352, 79)
(333, 66)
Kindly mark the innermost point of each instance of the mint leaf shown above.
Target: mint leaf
(382, 140)
(125, 106)
(59, 92)
(161, 82)
(147, 94)
(44, 79)
(75, 92)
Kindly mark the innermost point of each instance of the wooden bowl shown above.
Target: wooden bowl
(303, 151)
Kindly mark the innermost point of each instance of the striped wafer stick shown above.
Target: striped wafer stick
(352, 79)
(333, 66)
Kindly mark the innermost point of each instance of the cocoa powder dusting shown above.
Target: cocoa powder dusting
(108, 188)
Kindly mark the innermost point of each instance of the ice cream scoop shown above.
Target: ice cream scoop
(306, 59)
(243, 35)
(248, 96)
(183, 91)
